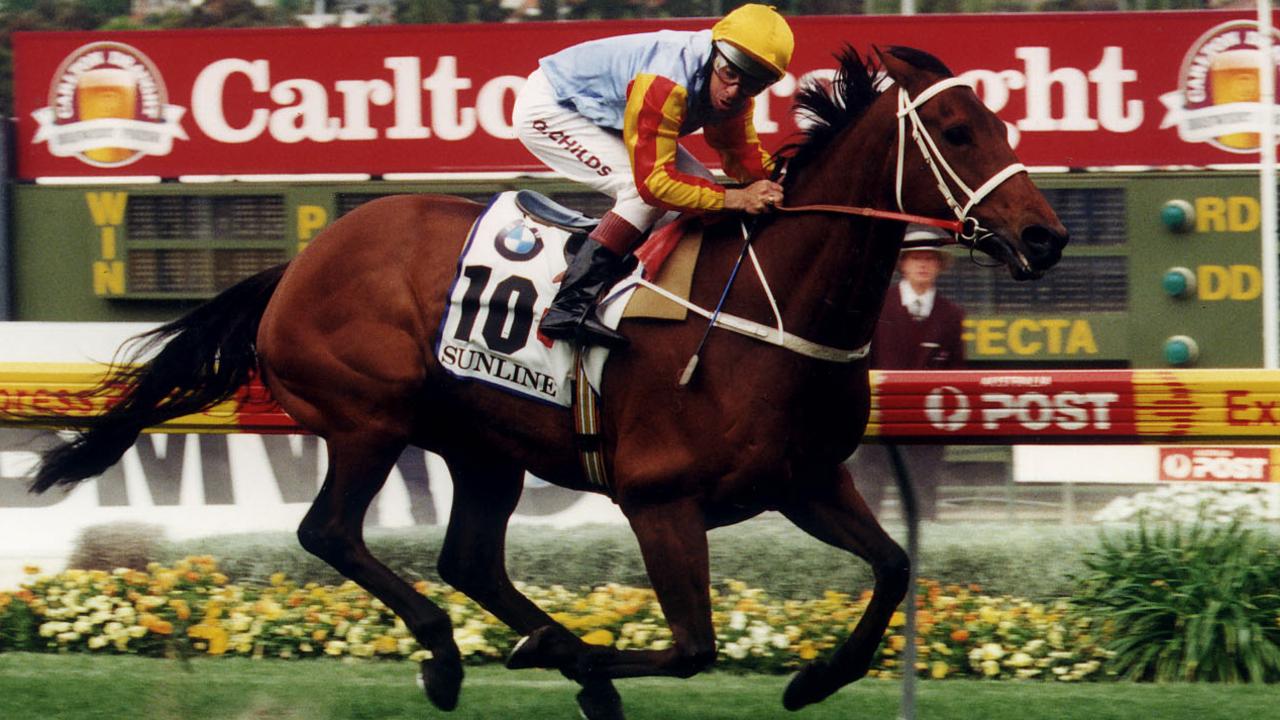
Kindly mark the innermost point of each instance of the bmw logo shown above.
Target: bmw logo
(518, 242)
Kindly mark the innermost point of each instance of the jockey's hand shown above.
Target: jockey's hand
(758, 197)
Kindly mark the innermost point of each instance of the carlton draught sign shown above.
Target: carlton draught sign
(1075, 90)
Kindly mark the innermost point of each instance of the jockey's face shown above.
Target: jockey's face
(730, 87)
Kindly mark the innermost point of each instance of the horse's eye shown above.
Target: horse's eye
(958, 135)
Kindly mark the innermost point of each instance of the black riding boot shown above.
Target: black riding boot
(572, 314)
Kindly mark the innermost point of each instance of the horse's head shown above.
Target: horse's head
(955, 160)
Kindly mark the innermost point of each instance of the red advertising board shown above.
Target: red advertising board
(1053, 403)
(1216, 464)
(1076, 90)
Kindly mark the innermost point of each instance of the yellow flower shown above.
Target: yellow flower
(898, 620)
(155, 624)
(938, 670)
(598, 637)
(180, 608)
(385, 645)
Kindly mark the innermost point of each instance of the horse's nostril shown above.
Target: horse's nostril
(1043, 240)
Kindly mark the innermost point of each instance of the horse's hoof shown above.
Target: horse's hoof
(809, 686)
(442, 682)
(600, 701)
(549, 646)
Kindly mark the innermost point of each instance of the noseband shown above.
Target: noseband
(970, 230)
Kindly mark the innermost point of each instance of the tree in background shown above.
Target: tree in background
(21, 15)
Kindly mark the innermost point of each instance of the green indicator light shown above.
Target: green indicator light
(1178, 282)
(1181, 350)
(1178, 215)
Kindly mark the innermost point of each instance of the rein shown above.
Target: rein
(956, 227)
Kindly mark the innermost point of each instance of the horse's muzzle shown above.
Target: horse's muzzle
(1036, 249)
(1043, 246)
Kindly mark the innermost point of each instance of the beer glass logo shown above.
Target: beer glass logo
(1217, 100)
(108, 107)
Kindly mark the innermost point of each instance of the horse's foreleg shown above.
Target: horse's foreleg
(673, 541)
(473, 561)
(333, 531)
(834, 513)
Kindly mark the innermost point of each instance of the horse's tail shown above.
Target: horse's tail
(199, 360)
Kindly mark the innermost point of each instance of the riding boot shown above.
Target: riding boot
(572, 314)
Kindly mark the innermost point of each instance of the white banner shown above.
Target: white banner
(209, 484)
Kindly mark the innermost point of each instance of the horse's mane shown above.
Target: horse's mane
(830, 109)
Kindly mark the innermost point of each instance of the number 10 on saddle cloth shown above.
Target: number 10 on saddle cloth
(506, 280)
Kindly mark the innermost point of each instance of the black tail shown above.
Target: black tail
(203, 358)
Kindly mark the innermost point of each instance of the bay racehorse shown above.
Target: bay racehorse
(342, 336)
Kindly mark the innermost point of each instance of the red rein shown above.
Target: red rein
(953, 226)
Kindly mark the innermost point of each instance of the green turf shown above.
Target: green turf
(83, 687)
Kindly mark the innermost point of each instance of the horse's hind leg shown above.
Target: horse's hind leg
(673, 541)
(333, 531)
(833, 512)
(473, 561)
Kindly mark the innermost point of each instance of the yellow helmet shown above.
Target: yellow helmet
(756, 39)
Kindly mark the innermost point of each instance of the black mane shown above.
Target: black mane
(831, 109)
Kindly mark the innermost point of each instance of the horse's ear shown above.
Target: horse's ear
(893, 67)
(904, 64)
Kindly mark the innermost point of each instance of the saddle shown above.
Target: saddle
(549, 212)
(668, 254)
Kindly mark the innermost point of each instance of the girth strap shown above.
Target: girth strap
(586, 426)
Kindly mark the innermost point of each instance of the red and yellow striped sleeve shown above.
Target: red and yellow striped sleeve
(651, 129)
(739, 147)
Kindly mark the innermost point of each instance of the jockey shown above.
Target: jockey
(608, 113)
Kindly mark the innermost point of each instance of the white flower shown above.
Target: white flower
(737, 620)
(1019, 660)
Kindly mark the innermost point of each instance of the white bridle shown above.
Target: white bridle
(937, 163)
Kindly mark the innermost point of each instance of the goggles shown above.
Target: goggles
(733, 76)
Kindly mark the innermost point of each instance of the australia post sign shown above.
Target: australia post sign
(1078, 406)
(1077, 90)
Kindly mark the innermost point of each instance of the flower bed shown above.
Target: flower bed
(191, 608)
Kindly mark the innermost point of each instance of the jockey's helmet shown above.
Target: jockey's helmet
(757, 40)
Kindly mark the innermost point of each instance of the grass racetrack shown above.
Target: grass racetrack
(83, 687)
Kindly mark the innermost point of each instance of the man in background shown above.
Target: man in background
(918, 330)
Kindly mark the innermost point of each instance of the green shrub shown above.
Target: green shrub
(1177, 602)
(18, 622)
(116, 545)
(1032, 561)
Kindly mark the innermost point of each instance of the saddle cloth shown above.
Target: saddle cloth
(507, 277)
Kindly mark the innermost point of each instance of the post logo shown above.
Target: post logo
(1217, 100)
(947, 408)
(108, 107)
